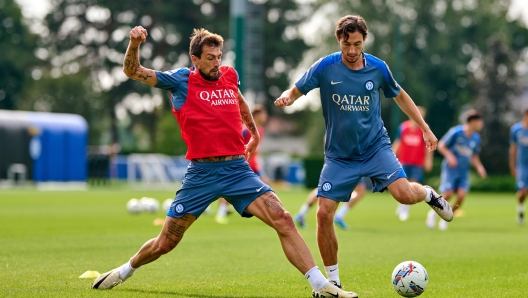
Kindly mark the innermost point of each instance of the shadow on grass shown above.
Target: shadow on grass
(182, 294)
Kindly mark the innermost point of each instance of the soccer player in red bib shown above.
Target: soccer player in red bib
(210, 110)
(409, 146)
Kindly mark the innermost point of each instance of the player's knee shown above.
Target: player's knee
(324, 215)
(283, 222)
(165, 246)
(404, 196)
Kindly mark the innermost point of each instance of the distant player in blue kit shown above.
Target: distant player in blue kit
(357, 143)
(519, 161)
(460, 147)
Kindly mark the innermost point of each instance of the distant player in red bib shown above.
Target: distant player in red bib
(210, 110)
(409, 146)
(260, 116)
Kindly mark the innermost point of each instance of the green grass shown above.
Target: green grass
(48, 239)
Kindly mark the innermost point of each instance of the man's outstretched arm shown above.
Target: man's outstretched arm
(131, 66)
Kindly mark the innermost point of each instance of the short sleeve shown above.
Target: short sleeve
(390, 87)
(399, 132)
(449, 137)
(476, 150)
(310, 79)
(172, 80)
(513, 135)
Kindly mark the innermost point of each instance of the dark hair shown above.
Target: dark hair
(201, 37)
(351, 24)
(472, 115)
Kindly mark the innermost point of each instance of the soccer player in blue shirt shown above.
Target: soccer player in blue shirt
(519, 161)
(460, 147)
(357, 143)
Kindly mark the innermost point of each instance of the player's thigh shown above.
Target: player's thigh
(268, 208)
(402, 191)
(241, 186)
(199, 189)
(338, 179)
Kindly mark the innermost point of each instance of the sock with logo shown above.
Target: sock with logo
(427, 194)
(316, 278)
(342, 212)
(126, 271)
(333, 273)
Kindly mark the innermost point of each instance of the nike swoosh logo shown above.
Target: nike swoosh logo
(333, 83)
(260, 188)
(96, 286)
(332, 270)
(388, 176)
(333, 295)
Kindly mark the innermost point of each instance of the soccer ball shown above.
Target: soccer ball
(133, 206)
(409, 279)
(166, 204)
(149, 204)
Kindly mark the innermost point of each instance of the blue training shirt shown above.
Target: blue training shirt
(462, 146)
(351, 104)
(519, 137)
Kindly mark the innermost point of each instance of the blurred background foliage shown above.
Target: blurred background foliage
(449, 55)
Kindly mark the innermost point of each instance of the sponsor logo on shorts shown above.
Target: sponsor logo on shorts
(389, 176)
(260, 188)
(327, 186)
(179, 208)
(369, 85)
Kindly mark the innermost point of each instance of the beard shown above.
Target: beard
(209, 77)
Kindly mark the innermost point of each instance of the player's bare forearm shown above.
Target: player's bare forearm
(288, 97)
(408, 106)
(133, 69)
(131, 65)
(512, 158)
(442, 148)
(475, 161)
(247, 118)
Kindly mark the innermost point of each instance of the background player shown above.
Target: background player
(357, 144)
(207, 102)
(409, 147)
(460, 147)
(356, 195)
(519, 161)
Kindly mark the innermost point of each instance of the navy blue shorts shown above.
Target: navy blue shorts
(205, 182)
(414, 173)
(453, 179)
(339, 177)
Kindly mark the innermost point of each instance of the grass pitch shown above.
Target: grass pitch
(48, 239)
